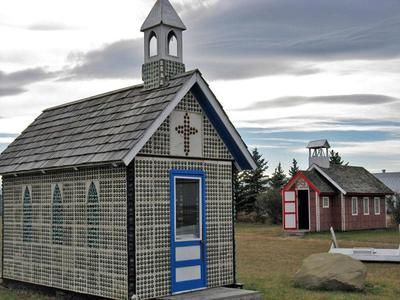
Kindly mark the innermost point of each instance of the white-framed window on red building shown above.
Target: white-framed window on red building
(354, 206)
(325, 202)
(377, 206)
(366, 205)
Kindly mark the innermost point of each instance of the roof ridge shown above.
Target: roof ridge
(386, 173)
(109, 93)
(187, 73)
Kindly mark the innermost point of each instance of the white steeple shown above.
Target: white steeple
(163, 33)
(163, 13)
(163, 45)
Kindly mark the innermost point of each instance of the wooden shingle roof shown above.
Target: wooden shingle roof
(353, 180)
(391, 179)
(113, 127)
(319, 181)
(318, 144)
(93, 130)
(344, 179)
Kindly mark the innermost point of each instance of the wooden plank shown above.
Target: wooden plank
(217, 294)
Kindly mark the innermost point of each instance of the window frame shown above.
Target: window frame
(325, 198)
(201, 225)
(366, 200)
(354, 200)
(377, 200)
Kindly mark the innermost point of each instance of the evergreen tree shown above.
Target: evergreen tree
(278, 179)
(238, 189)
(249, 184)
(268, 204)
(294, 168)
(336, 159)
(394, 207)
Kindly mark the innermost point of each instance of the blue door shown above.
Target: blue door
(188, 228)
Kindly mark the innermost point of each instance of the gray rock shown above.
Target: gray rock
(331, 272)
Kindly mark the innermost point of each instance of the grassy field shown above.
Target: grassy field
(266, 261)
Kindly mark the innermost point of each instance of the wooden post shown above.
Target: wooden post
(334, 241)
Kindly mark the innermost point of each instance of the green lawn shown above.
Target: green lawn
(266, 261)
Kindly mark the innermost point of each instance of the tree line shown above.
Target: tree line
(259, 194)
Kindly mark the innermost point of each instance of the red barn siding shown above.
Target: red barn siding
(326, 213)
(336, 214)
(361, 221)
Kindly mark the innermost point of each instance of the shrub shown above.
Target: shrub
(394, 208)
(269, 206)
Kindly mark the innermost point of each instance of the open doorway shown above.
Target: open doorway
(303, 210)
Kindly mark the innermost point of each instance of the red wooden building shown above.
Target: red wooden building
(344, 197)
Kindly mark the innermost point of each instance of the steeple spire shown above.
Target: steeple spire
(163, 46)
(163, 13)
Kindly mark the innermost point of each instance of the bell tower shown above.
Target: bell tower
(318, 153)
(163, 45)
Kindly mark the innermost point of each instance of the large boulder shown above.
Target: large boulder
(331, 272)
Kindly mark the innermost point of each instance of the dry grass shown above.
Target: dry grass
(267, 262)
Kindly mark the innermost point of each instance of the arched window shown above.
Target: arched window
(172, 44)
(153, 45)
(27, 216)
(58, 218)
(93, 216)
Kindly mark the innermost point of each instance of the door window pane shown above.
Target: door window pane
(187, 209)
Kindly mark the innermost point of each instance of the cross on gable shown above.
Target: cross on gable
(186, 131)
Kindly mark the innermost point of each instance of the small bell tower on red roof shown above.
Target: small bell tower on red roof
(318, 153)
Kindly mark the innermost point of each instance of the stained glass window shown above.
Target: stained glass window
(93, 215)
(58, 219)
(27, 216)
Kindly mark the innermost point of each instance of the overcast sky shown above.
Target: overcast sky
(286, 71)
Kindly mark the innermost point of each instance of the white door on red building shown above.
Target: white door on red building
(289, 210)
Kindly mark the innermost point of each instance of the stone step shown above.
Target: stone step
(217, 294)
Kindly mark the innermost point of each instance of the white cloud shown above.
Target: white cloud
(6, 140)
(370, 148)
(96, 23)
